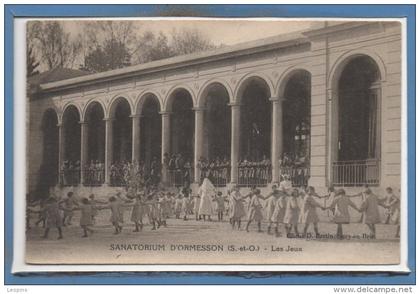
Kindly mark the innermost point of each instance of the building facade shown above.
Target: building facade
(323, 105)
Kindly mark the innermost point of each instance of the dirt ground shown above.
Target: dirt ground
(198, 242)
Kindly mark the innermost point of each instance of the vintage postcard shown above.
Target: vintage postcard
(176, 141)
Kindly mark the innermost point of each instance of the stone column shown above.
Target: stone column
(198, 141)
(276, 137)
(166, 142)
(135, 151)
(84, 127)
(61, 150)
(108, 148)
(234, 151)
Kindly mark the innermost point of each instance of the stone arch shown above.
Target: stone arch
(341, 62)
(114, 101)
(246, 79)
(286, 75)
(142, 98)
(169, 97)
(207, 85)
(72, 104)
(89, 105)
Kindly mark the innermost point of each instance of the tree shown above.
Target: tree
(189, 41)
(31, 63)
(153, 46)
(108, 45)
(54, 46)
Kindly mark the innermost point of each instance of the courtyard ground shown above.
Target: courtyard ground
(214, 243)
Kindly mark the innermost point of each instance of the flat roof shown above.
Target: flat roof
(261, 45)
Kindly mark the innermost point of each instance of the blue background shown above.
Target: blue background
(12, 11)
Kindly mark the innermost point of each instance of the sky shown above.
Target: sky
(219, 31)
(227, 32)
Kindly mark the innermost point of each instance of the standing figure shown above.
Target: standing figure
(255, 210)
(86, 218)
(279, 210)
(137, 213)
(340, 205)
(52, 217)
(220, 205)
(206, 192)
(178, 206)
(197, 207)
(370, 211)
(68, 205)
(116, 215)
(393, 210)
(237, 210)
(270, 205)
(291, 214)
(308, 211)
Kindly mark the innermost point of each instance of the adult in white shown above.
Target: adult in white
(206, 192)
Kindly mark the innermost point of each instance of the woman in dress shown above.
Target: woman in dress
(206, 192)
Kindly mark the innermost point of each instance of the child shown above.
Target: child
(94, 202)
(52, 217)
(392, 203)
(185, 205)
(340, 205)
(270, 204)
(220, 205)
(178, 206)
(291, 214)
(237, 207)
(137, 213)
(42, 214)
(197, 201)
(153, 204)
(115, 219)
(165, 206)
(279, 210)
(255, 210)
(285, 184)
(86, 218)
(68, 205)
(308, 211)
(370, 211)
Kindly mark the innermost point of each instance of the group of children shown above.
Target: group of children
(289, 207)
(283, 206)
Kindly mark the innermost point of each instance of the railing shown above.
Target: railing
(70, 177)
(218, 175)
(249, 176)
(299, 176)
(93, 177)
(356, 172)
(179, 177)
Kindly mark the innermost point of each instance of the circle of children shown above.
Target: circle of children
(284, 207)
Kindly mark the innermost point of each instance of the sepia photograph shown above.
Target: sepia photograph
(214, 141)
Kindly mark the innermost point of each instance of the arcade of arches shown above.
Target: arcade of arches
(254, 129)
